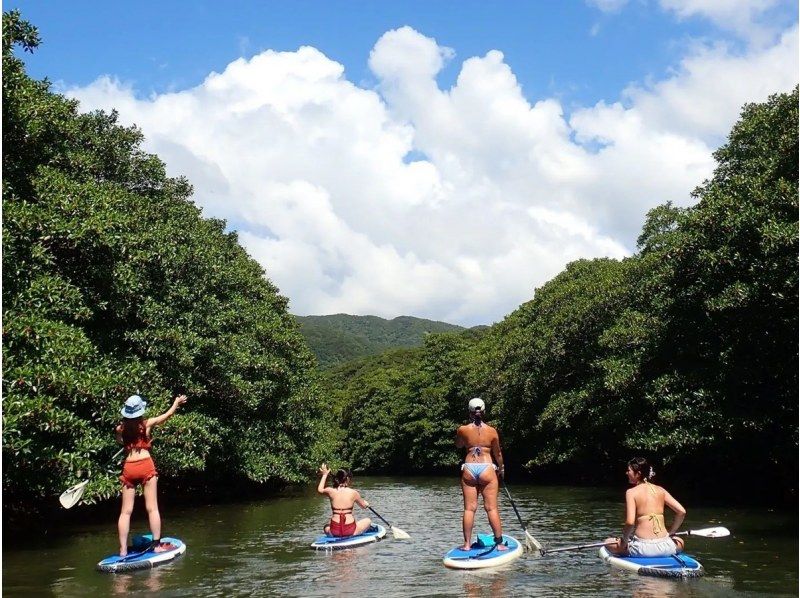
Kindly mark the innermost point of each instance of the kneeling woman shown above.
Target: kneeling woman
(342, 498)
(644, 516)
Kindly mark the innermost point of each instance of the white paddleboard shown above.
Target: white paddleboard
(373, 534)
(139, 558)
(480, 557)
(679, 565)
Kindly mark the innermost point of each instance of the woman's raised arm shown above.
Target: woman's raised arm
(160, 419)
(323, 469)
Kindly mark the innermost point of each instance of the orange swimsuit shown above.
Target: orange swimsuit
(138, 472)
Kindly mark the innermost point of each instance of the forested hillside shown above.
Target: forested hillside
(114, 284)
(341, 337)
(397, 410)
(686, 352)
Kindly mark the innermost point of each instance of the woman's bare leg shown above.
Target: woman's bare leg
(362, 525)
(489, 493)
(470, 492)
(151, 504)
(124, 522)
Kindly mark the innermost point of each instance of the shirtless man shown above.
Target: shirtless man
(478, 473)
(644, 516)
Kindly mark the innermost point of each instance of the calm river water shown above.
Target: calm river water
(262, 549)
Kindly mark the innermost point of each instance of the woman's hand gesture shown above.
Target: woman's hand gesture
(323, 469)
(179, 400)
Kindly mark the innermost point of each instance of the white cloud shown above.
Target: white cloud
(706, 93)
(745, 18)
(739, 16)
(608, 5)
(316, 173)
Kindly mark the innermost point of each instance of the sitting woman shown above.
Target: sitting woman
(342, 498)
(644, 516)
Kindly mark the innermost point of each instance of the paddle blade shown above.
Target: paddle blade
(399, 534)
(711, 532)
(71, 496)
(532, 545)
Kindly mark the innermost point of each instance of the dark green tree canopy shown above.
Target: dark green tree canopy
(113, 283)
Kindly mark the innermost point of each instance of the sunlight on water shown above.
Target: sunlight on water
(262, 548)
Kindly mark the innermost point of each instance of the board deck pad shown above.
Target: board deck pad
(680, 565)
(373, 534)
(480, 556)
(140, 557)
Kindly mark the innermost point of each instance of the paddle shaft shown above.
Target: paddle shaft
(117, 454)
(596, 544)
(579, 547)
(379, 516)
(514, 506)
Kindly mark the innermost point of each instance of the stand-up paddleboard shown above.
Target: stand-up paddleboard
(373, 534)
(481, 555)
(679, 565)
(141, 556)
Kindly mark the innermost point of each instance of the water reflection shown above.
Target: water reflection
(262, 548)
(344, 567)
(151, 581)
(492, 585)
(653, 587)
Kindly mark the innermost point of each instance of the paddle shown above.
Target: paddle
(396, 531)
(72, 495)
(707, 532)
(530, 541)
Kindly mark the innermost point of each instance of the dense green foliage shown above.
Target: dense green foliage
(339, 338)
(686, 351)
(397, 409)
(113, 283)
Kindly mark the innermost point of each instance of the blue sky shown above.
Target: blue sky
(558, 47)
(438, 159)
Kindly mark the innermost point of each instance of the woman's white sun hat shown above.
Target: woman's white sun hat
(134, 407)
(476, 404)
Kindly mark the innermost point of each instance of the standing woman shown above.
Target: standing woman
(644, 516)
(134, 434)
(481, 471)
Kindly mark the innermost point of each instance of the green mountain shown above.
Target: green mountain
(338, 338)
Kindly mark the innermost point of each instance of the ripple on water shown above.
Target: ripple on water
(262, 549)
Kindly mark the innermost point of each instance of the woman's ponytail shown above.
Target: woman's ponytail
(341, 478)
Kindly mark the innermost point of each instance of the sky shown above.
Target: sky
(433, 159)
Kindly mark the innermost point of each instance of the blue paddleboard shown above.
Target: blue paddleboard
(480, 556)
(679, 565)
(373, 534)
(140, 556)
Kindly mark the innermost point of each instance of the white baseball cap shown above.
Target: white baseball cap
(477, 404)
